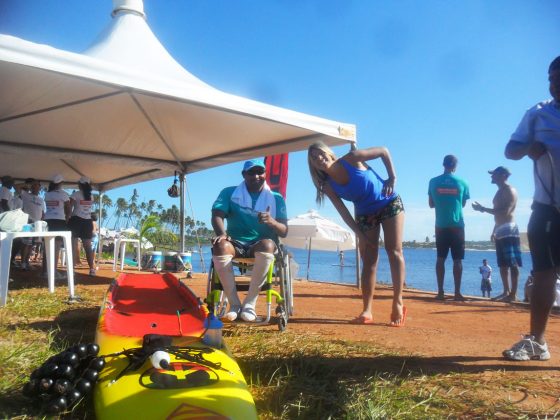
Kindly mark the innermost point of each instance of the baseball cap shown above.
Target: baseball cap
(84, 180)
(252, 163)
(450, 161)
(500, 170)
(57, 179)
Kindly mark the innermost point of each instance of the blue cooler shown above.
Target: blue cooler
(170, 262)
(152, 260)
(186, 259)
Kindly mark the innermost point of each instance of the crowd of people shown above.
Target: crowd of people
(61, 212)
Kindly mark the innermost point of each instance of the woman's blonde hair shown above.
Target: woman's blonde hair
(317, 176)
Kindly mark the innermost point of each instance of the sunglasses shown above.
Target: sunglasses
(256, 171)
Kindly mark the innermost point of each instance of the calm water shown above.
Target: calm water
(420, 268)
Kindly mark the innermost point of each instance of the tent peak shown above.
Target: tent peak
(134, 6)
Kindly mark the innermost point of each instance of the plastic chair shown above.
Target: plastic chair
(119, 250)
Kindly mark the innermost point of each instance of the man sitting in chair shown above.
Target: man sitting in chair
(256, 217)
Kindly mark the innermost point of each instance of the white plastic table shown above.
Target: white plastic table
(6, 239)
(120, 245)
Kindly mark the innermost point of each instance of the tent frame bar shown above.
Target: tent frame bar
(17, 148)
(60, 106)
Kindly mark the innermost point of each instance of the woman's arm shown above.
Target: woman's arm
(359, 156)
(345, 213)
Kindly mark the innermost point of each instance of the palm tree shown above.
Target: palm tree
(107, 204)
(174, 217)
(121, 207)
(144, 209)
(132, 208)
(151, 206)
(152, 230)
(148, 226)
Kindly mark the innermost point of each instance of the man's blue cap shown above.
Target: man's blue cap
(252, 163)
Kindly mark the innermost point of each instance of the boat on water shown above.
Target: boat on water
(150, 331)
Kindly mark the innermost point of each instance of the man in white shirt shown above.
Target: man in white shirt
(538, 137)
(486, 282)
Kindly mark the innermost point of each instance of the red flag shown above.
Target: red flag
(277, 173)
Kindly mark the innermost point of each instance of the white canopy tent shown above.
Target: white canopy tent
(125, 111)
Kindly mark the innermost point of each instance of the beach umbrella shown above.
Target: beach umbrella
(313, 231)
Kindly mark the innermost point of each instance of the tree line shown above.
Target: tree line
(156, 223)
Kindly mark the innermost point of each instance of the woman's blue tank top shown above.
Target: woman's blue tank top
(364, 189)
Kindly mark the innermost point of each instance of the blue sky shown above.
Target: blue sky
(424, 78)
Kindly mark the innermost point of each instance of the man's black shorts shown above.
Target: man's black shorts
(450, 238)
(544, 236)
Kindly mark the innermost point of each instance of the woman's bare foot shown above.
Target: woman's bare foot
(364, 318)
(398, 315)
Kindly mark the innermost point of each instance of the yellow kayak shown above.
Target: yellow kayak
(147, 313)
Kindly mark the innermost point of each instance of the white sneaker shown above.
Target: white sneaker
(527, 349)
(92, 272)
(248, 314)
(232, 314)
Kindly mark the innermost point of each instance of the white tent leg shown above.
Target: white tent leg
(97, 252)
(182, 212)
(308, 257)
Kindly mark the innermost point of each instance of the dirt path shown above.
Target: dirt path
(445, 337)
(470, 335)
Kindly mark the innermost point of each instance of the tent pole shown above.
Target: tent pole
(308, 257)
(182, 212)
(202, 266)
(99, 221)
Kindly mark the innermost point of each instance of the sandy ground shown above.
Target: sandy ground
(470, 334)
(443, 336)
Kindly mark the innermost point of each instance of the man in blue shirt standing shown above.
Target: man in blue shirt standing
(256, 217)
(448, 194)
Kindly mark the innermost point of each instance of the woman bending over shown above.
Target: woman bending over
(377, 206)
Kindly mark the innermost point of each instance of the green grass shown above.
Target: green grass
(291, 376)
(307, 377)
